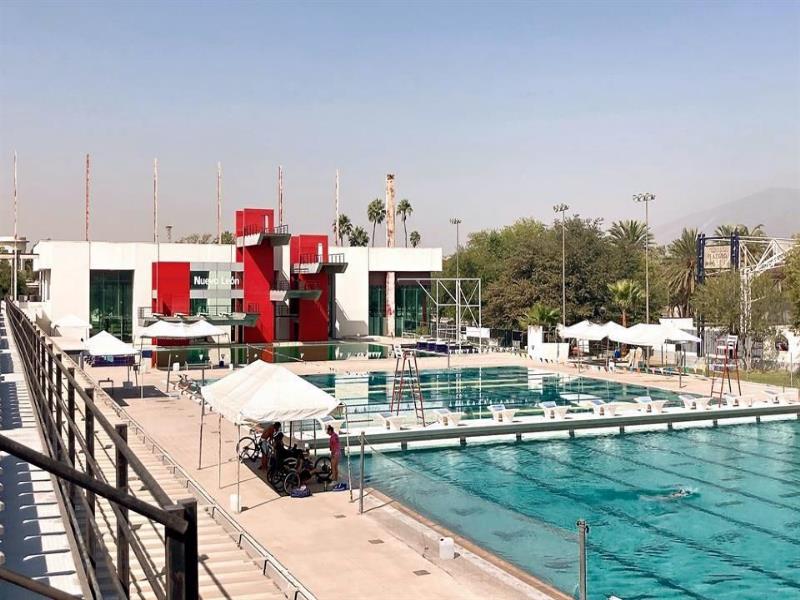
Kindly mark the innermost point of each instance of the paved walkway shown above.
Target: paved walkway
(33, 537)
(322, 540)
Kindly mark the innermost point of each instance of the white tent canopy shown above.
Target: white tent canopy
(105, 344)
(585, 330)
(180, 330)
(263, 392)
(71, 321)
(652, 335)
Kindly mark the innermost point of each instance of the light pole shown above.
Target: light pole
(647, 198)
(456, 221)
(563, 208)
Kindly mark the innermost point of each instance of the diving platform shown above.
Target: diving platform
(311, 264)
(255, 236)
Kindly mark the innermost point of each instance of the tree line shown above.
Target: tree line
(376, 214)
(520, 268)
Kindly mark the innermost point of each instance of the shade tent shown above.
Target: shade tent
(168, 330)
(71, 321)
(262, 392)
(105, 344)
(652, 335)
(585, 330)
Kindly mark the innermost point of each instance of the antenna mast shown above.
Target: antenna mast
(219, 202)
(280, 195)
(336, 221)
(15, 268)
(86, 184)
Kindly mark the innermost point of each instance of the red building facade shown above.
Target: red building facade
(278, 286)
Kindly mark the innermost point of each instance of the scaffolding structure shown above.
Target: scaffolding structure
(461, 294)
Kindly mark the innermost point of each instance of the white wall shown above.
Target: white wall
(70, 262)
(352, 293)
(405, 259)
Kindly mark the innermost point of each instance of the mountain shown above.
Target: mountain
(778, 209)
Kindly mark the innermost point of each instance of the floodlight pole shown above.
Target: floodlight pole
(563, 208)
(647, 198)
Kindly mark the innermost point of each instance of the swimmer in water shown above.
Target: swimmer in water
(681, 493)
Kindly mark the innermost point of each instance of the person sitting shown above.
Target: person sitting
(282, 453)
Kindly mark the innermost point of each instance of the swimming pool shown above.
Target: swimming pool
(737, 535)
(472, 390)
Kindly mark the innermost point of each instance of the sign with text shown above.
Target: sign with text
(717, 256)
(204, 280)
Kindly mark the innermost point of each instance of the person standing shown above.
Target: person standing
(335, 447)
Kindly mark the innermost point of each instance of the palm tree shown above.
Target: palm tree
(345, 228)
(414, 238)
(729, 229)
(404, 209)
(626, 294)
(359, 236)
(682, 269)
(630, 234)
(376, 213)
(540, 315)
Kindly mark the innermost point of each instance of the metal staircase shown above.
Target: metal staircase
(406, 373)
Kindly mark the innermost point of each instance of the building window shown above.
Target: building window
(377, 309)
(411, 309)
(111, 303)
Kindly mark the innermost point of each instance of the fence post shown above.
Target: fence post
(583, 529)
(181, 553)
(70, 430)
(49, 378)
(123, 550)
(89, 437)
(59, 408)
(361, 479)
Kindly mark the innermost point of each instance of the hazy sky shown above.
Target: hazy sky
(487, 112)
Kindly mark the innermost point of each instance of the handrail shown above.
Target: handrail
(153, 486)
(34, 586)
(48, 376)
(313, 257)
(259, 229)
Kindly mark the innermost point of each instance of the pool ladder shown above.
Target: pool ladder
(406, 371)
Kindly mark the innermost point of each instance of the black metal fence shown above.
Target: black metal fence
(61, 402)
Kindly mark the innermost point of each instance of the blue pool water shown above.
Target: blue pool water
(472, 390)
(737, 535)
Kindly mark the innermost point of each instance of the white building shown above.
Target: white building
(110, 284)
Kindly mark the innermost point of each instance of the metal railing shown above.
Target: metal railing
(284, 284)
(60, 402)
(259, 229)
(312, 258)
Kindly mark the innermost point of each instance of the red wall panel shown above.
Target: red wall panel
(171, 280)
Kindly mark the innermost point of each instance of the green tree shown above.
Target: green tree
(729, 229)
(7, 279)
(792, 271)
(630, 234)
(681, 265)
(625, 295)
(414, 238)
(540, 315)
(404, 210)
(359, 236)
(376, 213)
(718, 300)
(345, 228)
(198, 238)
(227, 237)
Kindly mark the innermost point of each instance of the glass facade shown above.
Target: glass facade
(111, 303)
(410, 309)
(377, 309)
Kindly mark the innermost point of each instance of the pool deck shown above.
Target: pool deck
(323, 540)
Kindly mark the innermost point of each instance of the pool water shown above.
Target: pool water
(472, 390)
(736, 535)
